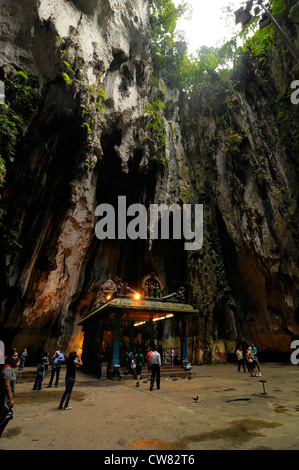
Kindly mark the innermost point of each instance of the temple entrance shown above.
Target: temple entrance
(124, 319)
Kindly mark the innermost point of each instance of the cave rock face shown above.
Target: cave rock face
(101, 123)
(87, 142)
(246, 276)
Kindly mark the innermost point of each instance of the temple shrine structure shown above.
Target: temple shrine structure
(123, 319)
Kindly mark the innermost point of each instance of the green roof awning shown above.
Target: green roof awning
(151, 306)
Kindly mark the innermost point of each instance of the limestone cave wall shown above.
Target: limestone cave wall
(86, 137)
(242, 147)
(83, 142)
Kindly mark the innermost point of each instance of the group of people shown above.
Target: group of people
(250, 362)
(135, 362)
(172, 357)
(72, 361)
(8, 380)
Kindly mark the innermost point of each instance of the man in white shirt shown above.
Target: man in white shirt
(155, 364)
(239, 354)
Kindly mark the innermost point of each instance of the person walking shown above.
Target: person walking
(58, 360)
(72, 362)
(155, 364)
(7, 389)
(239, 354)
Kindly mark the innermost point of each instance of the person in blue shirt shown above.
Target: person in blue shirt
(129, 357)
(254, 354)
(58, 360)
(40, 375)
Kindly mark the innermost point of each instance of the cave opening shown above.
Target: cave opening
(130, 259)
(233, 275)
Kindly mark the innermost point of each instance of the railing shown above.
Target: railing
(171, 357)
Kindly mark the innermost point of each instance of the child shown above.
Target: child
(39, 375)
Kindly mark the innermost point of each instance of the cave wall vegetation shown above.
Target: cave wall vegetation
(242, 162)
(91, 117)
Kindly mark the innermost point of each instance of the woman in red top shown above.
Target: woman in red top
(148, 359)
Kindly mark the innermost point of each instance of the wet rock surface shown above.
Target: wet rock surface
(233, 412)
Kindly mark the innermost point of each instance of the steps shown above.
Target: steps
(165, 372)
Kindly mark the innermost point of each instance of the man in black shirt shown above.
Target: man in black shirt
(72, 362)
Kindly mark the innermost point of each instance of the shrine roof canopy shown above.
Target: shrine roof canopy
(149, 308)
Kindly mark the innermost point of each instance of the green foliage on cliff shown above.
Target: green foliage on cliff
(101, 98)
(294, 13)
(67, 79)
(11, 129)
(164, 16)
(170, 50)
(212, 66)
(21, 102)
(153, 117)
(22, 93)
(287, 119)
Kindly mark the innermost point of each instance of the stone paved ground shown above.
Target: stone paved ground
(232, 413)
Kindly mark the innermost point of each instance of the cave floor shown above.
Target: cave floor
(232, 412)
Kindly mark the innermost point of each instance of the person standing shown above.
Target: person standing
(172, 357)
(239, 354)
(45, 358)
(72, 362)
(148, 355)
(249, 357)
(40, 375)
(155, 364)
(133, 369)
(58, 360)
(7, 389)
(22, 359)
(254, 354)
(129, 358)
